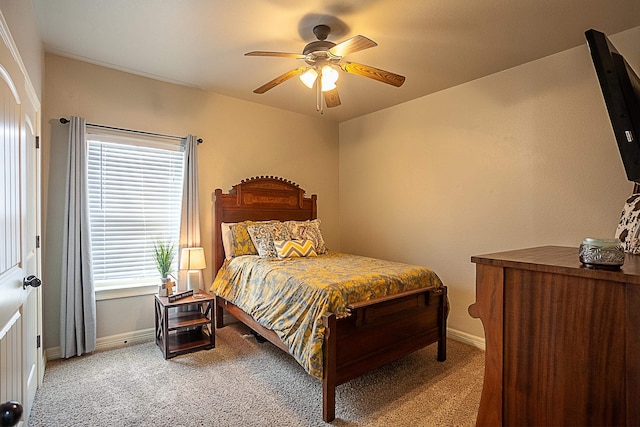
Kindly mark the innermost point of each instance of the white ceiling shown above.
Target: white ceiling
(436, 44)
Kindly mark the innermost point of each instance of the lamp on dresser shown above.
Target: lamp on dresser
(192, 260)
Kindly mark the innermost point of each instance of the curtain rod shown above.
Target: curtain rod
(64, 121)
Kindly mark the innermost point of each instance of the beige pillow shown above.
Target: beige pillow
(307, 230)
(263, 235)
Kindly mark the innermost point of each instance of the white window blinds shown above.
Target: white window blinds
(135, 192)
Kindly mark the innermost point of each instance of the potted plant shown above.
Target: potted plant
(163, 254)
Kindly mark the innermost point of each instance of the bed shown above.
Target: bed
(357, 338)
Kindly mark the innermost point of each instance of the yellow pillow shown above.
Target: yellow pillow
(294, 248)
(241, 243)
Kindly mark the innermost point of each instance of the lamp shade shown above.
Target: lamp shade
(309, 77)
(192, 259)
(329, 78)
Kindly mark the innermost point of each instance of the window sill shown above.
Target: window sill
(114, 292)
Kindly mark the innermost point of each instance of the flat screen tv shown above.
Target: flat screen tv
(620, 87)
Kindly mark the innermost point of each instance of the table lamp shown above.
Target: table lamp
(192, 259)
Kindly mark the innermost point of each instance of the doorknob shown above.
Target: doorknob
(31, 281)
(10, 413)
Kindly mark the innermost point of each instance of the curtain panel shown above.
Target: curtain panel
(190, 215)
(78, 306)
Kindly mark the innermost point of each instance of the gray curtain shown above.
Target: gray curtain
(190, 215)
(78, 303)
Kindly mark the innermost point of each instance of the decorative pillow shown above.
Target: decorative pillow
(263, 235)
(294, 248)
(629, 226)
(241, 243)
(307, 230)
(227, 239)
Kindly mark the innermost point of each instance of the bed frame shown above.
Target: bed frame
(378, 331)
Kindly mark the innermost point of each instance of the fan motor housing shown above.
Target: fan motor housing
(318, 46)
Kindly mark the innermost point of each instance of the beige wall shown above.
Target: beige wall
(525, 157)
(520, 158)
(241, 140)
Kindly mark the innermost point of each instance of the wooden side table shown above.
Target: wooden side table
(185, 325)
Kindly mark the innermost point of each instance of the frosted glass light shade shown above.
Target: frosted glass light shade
(329, 74)
(329, 78)
(328, 86)
(309, 77)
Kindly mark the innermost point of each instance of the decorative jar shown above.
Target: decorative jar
(603, 253)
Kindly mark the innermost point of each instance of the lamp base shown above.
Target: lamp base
(193, 281)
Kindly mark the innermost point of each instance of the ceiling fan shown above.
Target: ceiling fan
(323, 59)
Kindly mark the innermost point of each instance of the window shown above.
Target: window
(135, 193)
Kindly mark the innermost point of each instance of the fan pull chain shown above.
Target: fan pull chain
(319, 104)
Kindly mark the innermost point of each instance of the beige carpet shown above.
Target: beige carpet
(244, 383)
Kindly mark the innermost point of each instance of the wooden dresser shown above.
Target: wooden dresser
(562, 340)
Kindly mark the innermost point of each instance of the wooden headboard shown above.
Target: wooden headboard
(259, 199)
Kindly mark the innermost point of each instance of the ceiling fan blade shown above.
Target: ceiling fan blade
(279, 54)
(280, 79)
(373, 73)
(354, 44)
(331, 98)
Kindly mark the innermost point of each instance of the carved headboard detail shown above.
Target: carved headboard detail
(259, 199)
(268, 190)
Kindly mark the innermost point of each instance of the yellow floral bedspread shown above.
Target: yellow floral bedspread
(290, 296)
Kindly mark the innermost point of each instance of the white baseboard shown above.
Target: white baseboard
(111, 341)
(466, 338)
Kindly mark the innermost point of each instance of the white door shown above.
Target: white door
(32, 304)
(21, 364)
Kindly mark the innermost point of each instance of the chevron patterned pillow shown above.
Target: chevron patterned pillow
(294, 248)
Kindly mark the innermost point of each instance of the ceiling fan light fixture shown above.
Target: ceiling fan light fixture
(309, 77)
(329, 78)
(325, 62)
(326, 86)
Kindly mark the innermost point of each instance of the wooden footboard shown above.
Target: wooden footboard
(378, 331)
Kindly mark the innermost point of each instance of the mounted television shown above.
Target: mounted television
(620, 87)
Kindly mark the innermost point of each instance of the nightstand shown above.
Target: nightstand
(185, 325)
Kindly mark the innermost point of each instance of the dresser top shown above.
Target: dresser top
(561, 260)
